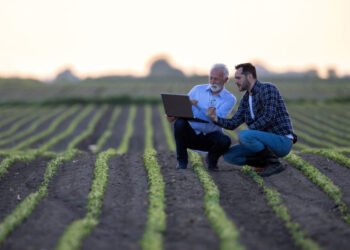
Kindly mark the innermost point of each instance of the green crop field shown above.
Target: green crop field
(92, 166)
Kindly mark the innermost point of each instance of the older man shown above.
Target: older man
(207, 137)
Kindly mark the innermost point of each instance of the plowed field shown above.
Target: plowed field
(310, 212)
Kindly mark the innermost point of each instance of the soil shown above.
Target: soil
(60, 128)
(124, 211)
(187, 224)
(125, 204)
(43, 126)
(118, 129)
(245, 204)
(8, 125)
(66, 201)
(338, 174)
(21, 179)
(21, 128)
(311, 208)
(99, 129)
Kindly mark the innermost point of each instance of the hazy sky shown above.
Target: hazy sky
(40, 37)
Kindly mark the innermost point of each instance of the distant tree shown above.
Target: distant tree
(66, 76)
(162, 68)
(311, 73)
(331, 73)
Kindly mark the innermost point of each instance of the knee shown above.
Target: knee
(244, 136)
(225, 141)
(221, 140)
(180, 124)
(233, 157)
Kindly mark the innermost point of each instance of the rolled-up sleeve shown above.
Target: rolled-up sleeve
(234, 122)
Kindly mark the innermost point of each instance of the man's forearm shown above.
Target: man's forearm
(227, 123)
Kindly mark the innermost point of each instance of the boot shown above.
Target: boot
(261, 158)
(255, 161)
(272, 164)
(265, 163)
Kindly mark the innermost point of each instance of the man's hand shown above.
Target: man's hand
(211, 113)
(171, 118)
(194, 102)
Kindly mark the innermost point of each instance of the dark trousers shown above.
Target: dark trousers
(215, 143)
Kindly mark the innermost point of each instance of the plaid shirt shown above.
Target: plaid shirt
(268, 107)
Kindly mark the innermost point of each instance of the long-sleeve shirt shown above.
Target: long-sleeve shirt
(223, 103)
(268, 109)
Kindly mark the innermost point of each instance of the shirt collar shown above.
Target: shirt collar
(256, 88)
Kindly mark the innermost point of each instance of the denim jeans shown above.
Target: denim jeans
(253, 141)
(215, 143)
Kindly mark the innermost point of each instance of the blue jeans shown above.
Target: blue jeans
(253, 141)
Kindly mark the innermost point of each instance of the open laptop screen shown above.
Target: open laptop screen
(179, 106)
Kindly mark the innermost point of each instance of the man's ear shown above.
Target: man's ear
(226, 80)
(250, 77)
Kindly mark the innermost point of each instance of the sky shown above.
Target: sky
(39, 38)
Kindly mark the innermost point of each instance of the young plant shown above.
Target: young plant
(322, 181)
(275, 202)
(156, 221)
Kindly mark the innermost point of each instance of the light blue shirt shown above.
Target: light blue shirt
(223, 102)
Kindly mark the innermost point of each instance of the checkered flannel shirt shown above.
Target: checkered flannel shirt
(269, 109)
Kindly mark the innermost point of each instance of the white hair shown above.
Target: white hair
(222, 67)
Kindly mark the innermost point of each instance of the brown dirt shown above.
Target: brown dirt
(61, 127)
(187, 224)
(99, 129)
(338, 174)
(9, 125)
(245, 204)
(125, 206)
(21, 128)
(62, 145)
(41, 127)
(124, 211)
(66, 201)
(21, 179)
(311, 208)
(118, 130)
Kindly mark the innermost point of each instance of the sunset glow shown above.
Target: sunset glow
(92, 37)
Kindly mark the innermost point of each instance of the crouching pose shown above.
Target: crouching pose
(270, 134)
(205, 136)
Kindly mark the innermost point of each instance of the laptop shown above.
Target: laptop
(179, 106)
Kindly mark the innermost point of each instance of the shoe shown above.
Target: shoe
(255, 161)
(211, 167)
(258, 169)
(272, 169)
(207, 160)
(181, 166)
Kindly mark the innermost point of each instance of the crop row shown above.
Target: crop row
(326, 129)
(313, 130)
(11, 115)
(225, 228)
(21, 120)
(25, 208)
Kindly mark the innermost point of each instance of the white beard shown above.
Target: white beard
(215, 88)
